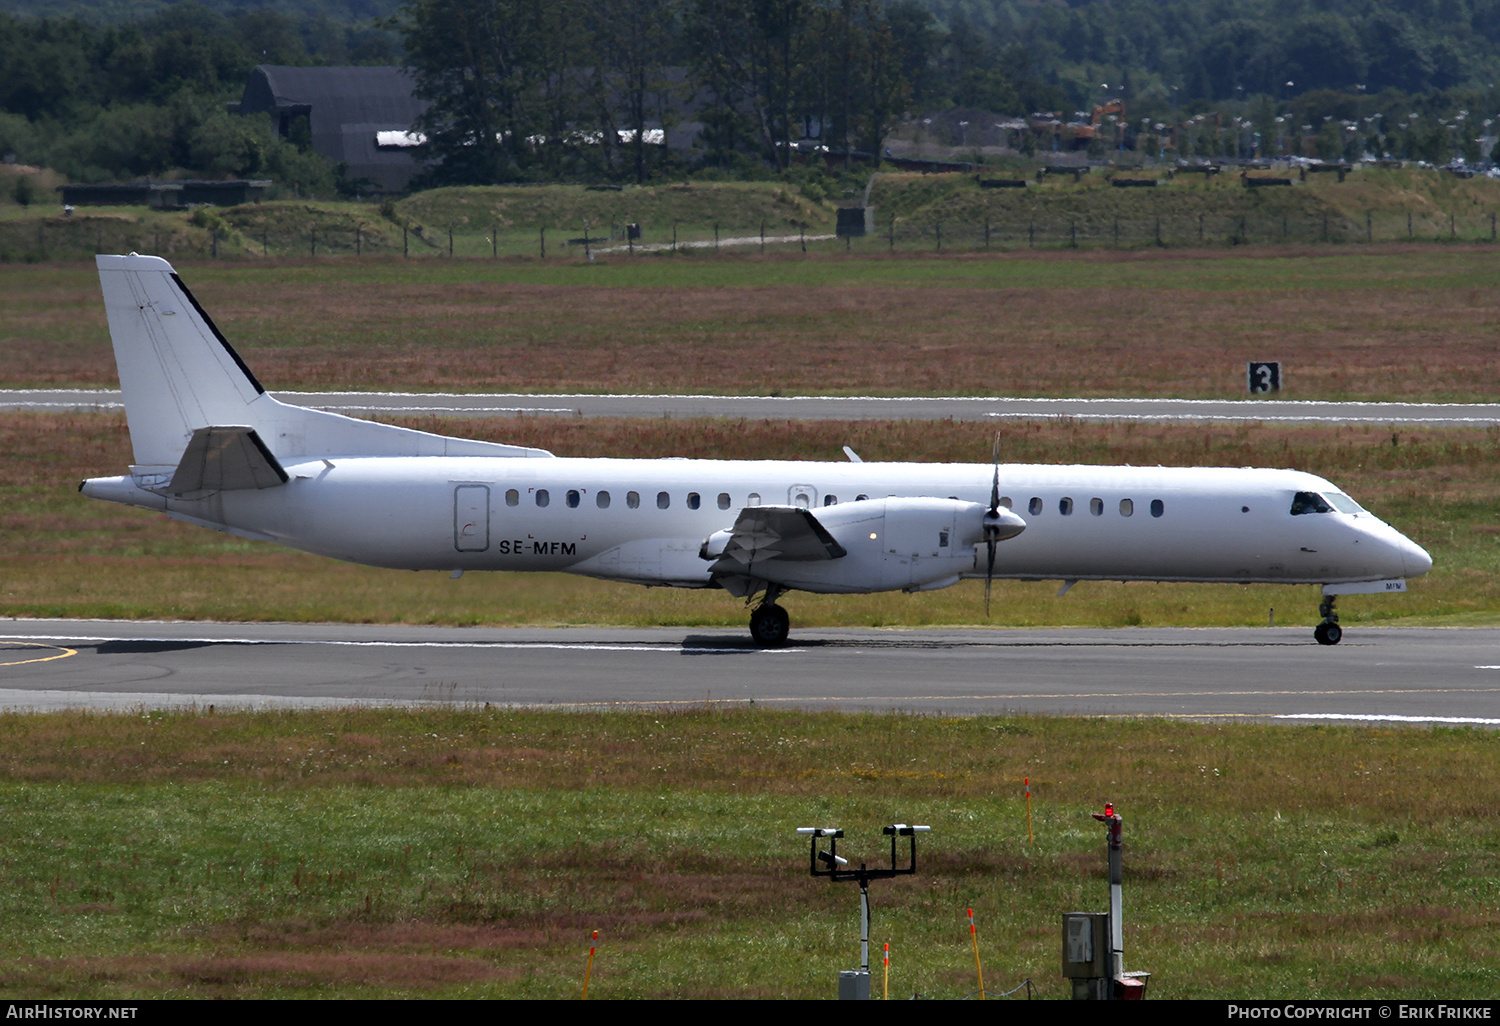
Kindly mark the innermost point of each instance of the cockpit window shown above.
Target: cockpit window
(1309, 502)
(1342, 502)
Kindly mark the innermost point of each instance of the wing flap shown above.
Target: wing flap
(764, 533)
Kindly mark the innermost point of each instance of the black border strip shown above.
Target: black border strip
(270, 459)
(259, 390)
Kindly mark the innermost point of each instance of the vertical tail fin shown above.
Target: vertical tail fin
(178, 374)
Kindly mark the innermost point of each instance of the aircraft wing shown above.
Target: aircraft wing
(225, 459)
(764, 533)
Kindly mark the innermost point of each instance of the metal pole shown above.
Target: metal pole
(1114, 824)
(864, 922)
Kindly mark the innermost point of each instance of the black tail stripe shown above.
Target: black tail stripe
(219, 335)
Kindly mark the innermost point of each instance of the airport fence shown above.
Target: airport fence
(81, 236)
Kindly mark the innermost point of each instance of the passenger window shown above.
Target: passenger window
(753, 499)
(1065, 507)
(1309, 502)
(723, 500)
(1005, 501)
(1157, 509)
(1127, 507)
(1096, 507)
(601, 499)
(512, 497)
(694, 501)
(633, 500)
(830, 500)
(572, 498)
(1034, 507)
(861, 497)
(663, 500)
(542, 498)
(802, 500)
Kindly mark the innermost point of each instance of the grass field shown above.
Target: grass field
(1381, 323)
(470, 853)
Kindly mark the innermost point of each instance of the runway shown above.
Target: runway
(829, 407)
(1393, 676)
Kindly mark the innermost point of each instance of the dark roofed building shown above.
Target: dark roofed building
(345, 108)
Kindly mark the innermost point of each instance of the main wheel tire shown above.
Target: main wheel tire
(769, 626)
(1328, 633)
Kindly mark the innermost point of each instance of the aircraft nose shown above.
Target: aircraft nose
(1416, 559)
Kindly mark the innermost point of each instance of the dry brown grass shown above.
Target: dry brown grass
(1075, 338)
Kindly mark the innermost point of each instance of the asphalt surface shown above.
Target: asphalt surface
(830, 407)
(1392, 675)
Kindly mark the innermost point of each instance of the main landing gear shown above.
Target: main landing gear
(769, 624)
(1328, 632)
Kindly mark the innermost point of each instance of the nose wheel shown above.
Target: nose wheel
(1328, 632)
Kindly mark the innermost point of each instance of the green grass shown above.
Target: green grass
(1378, 205)
(470, 853)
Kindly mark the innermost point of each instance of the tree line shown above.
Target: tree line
(101, 101)
(570, 88)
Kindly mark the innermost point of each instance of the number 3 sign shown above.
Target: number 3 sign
(1263, 377)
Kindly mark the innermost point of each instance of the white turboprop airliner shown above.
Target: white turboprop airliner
(213, 448)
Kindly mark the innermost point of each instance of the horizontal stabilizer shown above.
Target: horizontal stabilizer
(223, 459)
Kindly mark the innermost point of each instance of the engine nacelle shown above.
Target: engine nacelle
(912, 544)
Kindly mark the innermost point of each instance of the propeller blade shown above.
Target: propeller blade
(995, 484)
(991, 535)
(989, 577)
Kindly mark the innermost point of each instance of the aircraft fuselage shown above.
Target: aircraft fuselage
(645, 521)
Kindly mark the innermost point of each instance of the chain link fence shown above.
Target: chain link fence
(63, 238)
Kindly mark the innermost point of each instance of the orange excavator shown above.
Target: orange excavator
(1082, 133)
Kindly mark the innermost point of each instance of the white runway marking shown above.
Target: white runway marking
(1473, 721)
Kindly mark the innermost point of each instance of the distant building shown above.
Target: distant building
(346, 110)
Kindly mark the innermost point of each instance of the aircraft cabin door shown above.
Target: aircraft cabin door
(805, 496)
(471, 518)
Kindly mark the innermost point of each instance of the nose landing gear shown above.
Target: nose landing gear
(1328, 632)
